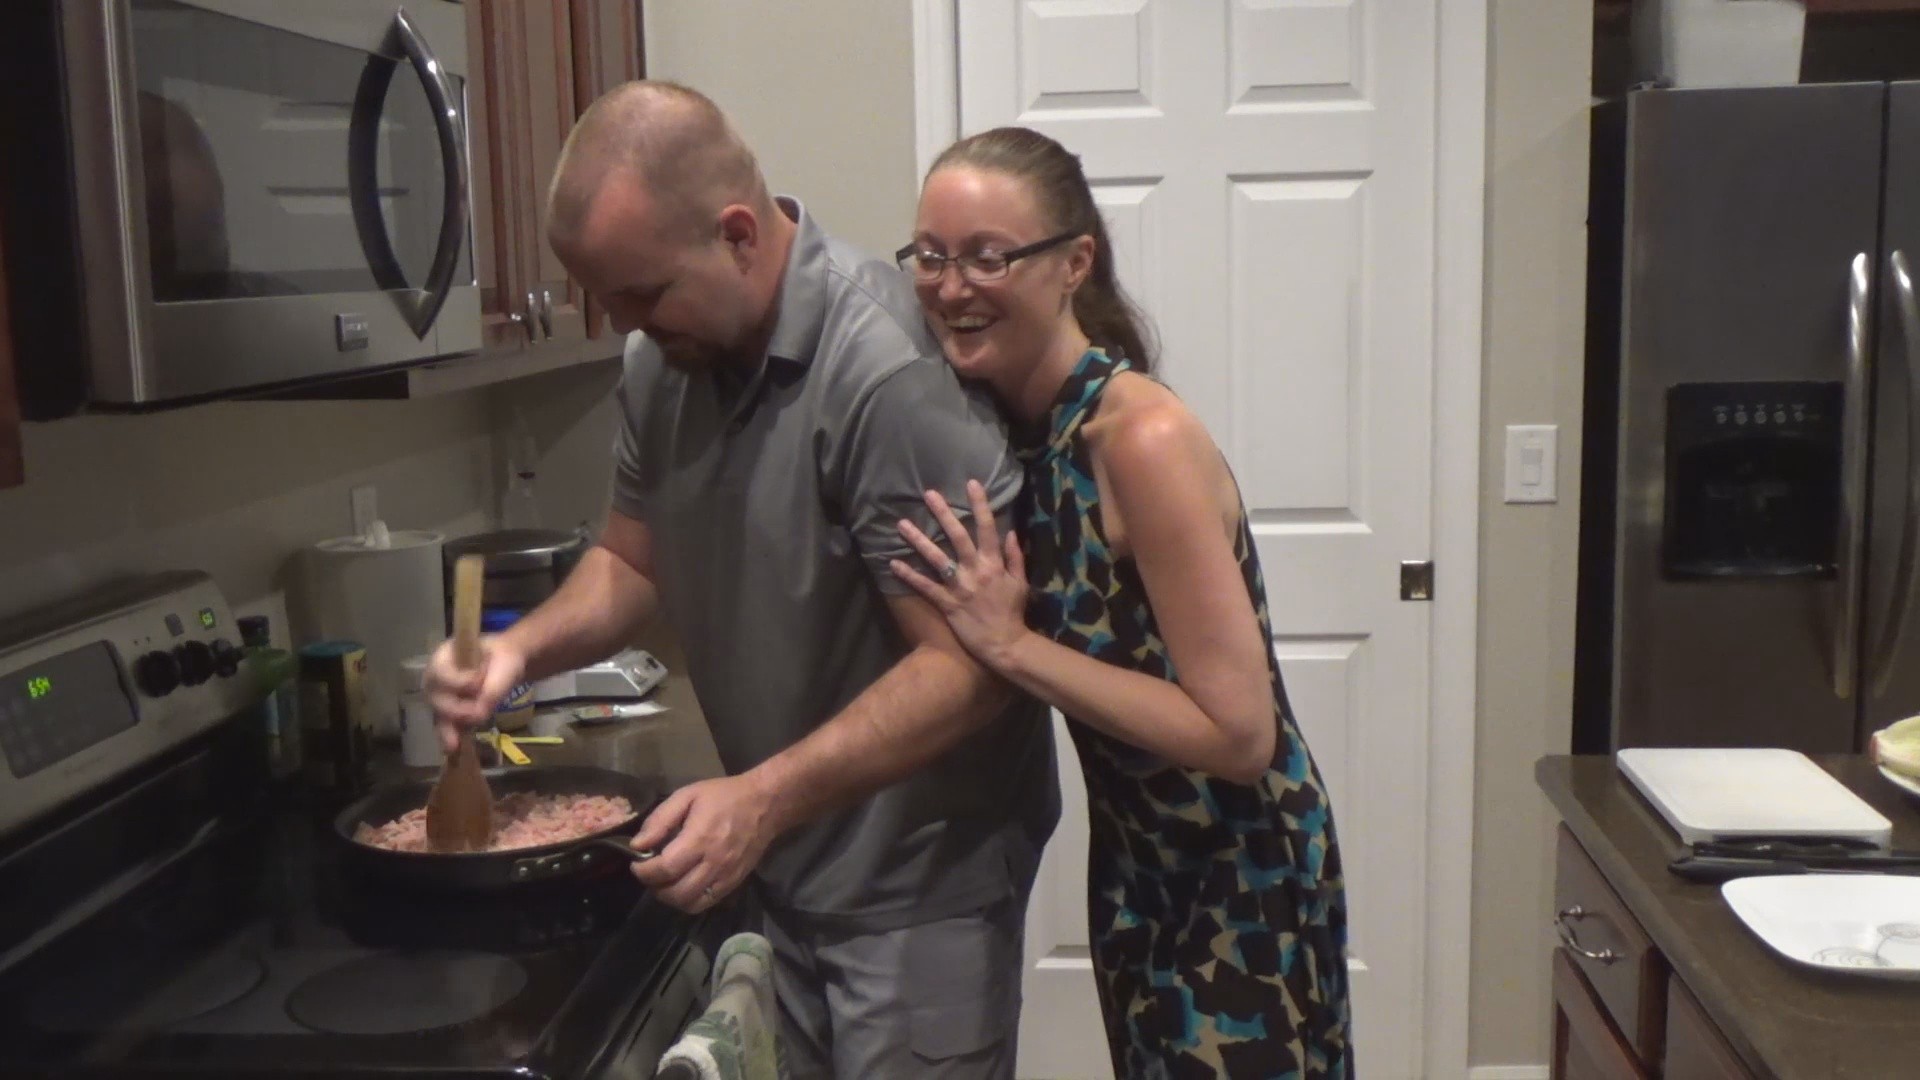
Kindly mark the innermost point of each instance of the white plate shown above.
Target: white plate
(1906, 784)
(1859, 924)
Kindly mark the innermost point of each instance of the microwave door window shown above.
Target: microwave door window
(247, 134)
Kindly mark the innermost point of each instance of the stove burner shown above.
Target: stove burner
(406, 992)
(100, 1000)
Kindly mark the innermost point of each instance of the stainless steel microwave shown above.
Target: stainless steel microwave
(217, 198)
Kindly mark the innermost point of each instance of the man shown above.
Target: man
(785, 408)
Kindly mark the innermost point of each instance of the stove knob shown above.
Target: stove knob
(226, 658)
(156, 674)
(196, 662)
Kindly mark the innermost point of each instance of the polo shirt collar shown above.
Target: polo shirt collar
(803, 290)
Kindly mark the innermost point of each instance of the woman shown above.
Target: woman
(1215, 897)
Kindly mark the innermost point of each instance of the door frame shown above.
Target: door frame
(1459, 293)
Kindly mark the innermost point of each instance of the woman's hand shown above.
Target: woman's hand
(983, 592)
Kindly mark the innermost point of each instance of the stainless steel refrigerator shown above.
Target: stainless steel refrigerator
(1751, 467)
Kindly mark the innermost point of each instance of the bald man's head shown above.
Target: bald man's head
(668, 138)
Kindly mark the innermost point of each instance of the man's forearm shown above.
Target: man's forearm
(598, 610)
(921, 708)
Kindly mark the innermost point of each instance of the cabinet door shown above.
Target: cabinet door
(1586, 1045)
(11, 472)
(1695, 1048)
(494, 138)
(608, 49)
(543, 92)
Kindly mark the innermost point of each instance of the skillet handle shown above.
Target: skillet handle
(581, 855)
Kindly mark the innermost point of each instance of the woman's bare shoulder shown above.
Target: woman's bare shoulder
(1140, 419)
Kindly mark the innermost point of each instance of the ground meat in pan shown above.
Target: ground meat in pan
(520, 820)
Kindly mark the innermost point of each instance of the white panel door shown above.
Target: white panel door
(1267, 168)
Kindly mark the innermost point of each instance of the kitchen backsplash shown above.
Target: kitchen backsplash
(238, 489)
(572, 416)
(235, 489)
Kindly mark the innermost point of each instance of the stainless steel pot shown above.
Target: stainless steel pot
(524, 566)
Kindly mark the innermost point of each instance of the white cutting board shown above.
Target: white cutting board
(1708, 794)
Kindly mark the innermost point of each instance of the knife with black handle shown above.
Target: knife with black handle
(1713, 869)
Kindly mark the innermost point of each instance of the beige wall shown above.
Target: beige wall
(822, 91)
(234, 489)
(1539, 58)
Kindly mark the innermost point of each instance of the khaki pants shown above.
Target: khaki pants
(939, 1000)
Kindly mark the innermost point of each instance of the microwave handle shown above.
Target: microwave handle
(1853, 479)
(453, 163)
(1896, 627)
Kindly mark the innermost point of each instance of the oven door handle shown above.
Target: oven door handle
(1896, 627)
(1853, 478)
(448, 122)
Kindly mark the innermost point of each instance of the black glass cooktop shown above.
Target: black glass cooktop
(253, 949)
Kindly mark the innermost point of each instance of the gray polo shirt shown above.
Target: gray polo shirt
(772, 508)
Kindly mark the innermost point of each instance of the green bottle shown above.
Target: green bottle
(274, 674)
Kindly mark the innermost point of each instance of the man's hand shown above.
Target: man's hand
(466, 698)
(714, 834)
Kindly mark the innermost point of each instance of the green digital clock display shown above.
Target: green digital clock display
(40, 728)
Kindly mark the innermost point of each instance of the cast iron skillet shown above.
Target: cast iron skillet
(489, 870)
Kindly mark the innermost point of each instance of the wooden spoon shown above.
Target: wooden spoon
(460, 806)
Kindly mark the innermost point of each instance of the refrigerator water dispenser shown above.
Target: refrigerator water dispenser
(1753, 480)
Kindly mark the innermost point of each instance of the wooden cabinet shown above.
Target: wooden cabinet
(490, 142)
(1609, 950)
(540, 64)
(12, 473)
(1618, 1012)
(1695, 1048)
(609, 48)
(1586, 1044)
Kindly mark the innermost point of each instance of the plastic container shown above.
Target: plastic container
(275, 674)
(334, 725)
(515, 711)
(419, 740)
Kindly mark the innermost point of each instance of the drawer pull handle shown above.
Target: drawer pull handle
(1562, 923)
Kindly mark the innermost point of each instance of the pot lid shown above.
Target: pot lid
(518, 549)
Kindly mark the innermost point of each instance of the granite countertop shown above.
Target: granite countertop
(673, 745)
(1787, 1022)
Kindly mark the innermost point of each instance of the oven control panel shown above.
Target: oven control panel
(95, 685)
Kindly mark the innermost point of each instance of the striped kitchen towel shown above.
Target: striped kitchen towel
(737, 1037)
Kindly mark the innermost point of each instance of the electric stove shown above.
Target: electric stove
(172, 913)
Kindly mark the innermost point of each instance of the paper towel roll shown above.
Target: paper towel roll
(390, 599)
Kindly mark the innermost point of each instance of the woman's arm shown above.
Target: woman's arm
(1219, 718)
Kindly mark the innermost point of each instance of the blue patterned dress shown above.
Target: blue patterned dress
(1217, 910)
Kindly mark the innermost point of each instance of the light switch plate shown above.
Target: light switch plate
(1532, 462)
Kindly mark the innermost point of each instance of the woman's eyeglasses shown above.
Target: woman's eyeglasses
(980, 266)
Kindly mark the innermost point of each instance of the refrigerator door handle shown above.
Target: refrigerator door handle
(1896, 627)
(1853, 478)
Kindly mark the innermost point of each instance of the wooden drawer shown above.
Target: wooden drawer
(1695, 1048)
(1604, 942)
(1586, 1044)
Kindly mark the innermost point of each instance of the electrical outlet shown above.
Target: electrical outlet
(1532, 462)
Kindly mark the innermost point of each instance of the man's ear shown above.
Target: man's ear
(740, 232)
